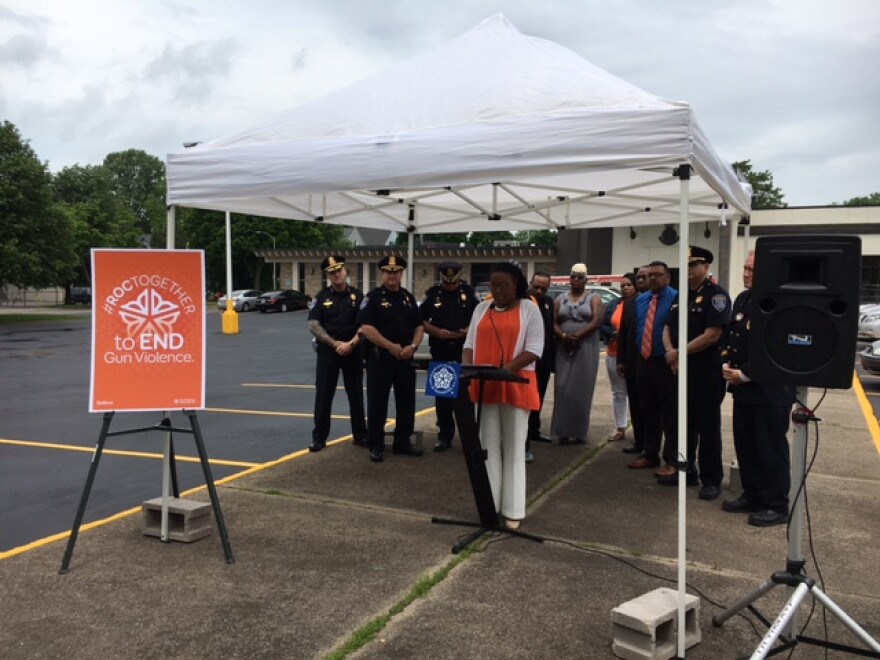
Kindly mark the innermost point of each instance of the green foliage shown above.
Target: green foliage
(35, 238)
(98, 216)
(488, 238)
(455, 238)
(542, 237)
(206, 230)
(138, 180)
(765, 194)
(870, 200)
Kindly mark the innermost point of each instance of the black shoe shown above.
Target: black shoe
(360, 442)
(377, 455)
(709, 492)
(537, 437)
(740, 505)
(406, 450)
(317, 446)
(632, 449)
(768, 518)
(442, 445)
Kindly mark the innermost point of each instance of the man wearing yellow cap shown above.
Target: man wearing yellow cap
(333, 321)
(390, 321)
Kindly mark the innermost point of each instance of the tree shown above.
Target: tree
(488, 238)
(206, 230)
(764, 194)
(455, 238)
(97, 214)
(539, 237)
(870, 200)
(138, 180)
(35, 239)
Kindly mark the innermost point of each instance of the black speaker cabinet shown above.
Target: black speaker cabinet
(804, 310)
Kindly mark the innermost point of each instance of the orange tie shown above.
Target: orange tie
(648, 332)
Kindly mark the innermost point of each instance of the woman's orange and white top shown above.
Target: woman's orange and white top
(498, 337)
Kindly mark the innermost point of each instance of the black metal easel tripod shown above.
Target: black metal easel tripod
(165, 426)
(794, 577)
(475, 456)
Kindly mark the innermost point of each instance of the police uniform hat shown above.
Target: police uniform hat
(332, 263)
(392, 263)
(699, 254)
(449, 271)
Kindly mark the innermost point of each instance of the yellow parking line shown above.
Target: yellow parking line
(119, 452)
(867, 411)
(251, 469)
(292, 386)
(269, 413)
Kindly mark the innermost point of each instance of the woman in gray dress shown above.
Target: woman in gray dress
(577, 318)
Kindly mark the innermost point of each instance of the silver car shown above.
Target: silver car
(869, 322)
(243, 300)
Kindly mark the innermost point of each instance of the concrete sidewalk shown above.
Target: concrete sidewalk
(329, 546)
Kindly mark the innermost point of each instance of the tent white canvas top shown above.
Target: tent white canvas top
(492, 130)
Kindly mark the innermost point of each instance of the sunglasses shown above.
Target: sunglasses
(577, 276)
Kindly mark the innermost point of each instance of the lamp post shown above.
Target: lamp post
(265, 233)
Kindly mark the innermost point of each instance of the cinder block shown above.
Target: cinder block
(188, 520)
(416, 438)
(644, 627)
(733, 482)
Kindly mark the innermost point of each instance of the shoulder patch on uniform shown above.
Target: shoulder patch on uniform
(365, 301)
(719, 302)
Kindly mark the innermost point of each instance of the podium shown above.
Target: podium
(468, 425)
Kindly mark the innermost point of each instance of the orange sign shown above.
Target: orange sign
(148, 330)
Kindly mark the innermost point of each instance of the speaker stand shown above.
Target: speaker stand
(793, 577)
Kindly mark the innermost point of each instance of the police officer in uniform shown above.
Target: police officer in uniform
(708, 318)
(760, 424)
(333, 321)
(446, 312)
(391, 322)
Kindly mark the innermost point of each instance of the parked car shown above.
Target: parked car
(243, 300)
(869, 322)
(605, 292)
(80, 294)
(870, 358)
(283, 301)
(481, 289)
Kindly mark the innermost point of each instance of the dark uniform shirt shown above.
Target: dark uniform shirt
(448, 310)
(709, 308)
(337, 312)
(737, 354)
(548, 357)
(395, 314)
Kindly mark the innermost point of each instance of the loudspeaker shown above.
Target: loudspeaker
(804, 310)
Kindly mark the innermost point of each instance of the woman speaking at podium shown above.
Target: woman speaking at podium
(506, 331)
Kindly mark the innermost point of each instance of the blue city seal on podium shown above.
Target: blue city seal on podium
(443, 379)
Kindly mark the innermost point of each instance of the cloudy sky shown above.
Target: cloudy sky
(789, 84)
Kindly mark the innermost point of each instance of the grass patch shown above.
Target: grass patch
(37, 317)
(369, 631)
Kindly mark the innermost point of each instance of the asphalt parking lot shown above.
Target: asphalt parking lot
(259, 394)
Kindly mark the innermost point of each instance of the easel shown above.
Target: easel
(169, 479)
(475, 456)
(793, 577)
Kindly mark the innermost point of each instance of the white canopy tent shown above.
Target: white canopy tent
(494, 130)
